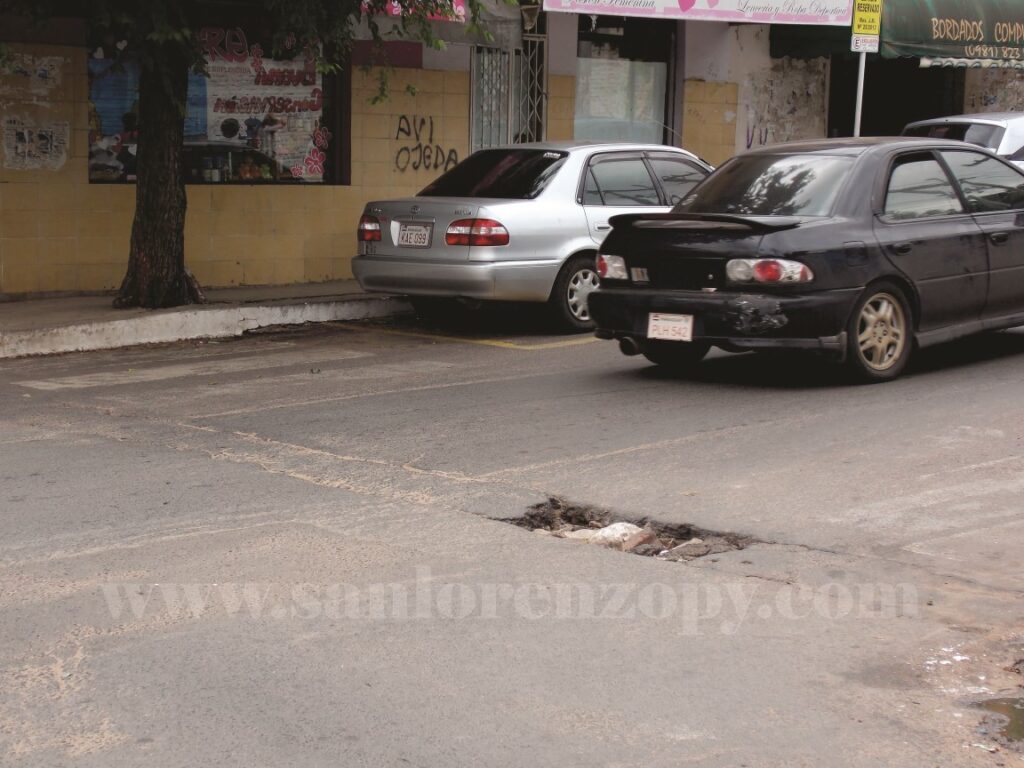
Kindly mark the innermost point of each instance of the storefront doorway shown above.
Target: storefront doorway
(623, 69)
(896, 92)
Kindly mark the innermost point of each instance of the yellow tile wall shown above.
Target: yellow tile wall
(561, 107)
(709, 119)
(60, 233)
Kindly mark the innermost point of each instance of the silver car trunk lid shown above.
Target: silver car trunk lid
(414, 227)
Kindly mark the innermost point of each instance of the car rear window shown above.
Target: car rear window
(516, 174)
(981, 134)
(771, 185)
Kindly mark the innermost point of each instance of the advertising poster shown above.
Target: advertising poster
(248, 118)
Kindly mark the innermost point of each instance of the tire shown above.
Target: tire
(676, 356)
(568, 301)
(879, 334)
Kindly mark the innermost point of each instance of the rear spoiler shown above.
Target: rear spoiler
(705, 221)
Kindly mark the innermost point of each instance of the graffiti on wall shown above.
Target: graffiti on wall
(30, 147)
(786, 102)
(419, 150)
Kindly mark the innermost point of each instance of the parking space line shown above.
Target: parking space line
(467, 340)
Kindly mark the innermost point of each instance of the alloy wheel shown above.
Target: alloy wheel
(881, 331)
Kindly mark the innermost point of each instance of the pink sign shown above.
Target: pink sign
(458, 11)
(836, 13)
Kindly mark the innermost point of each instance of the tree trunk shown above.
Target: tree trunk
(156, 275)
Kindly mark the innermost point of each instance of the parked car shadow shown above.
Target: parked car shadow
(487, 319)
(972, 350)
(801, 371)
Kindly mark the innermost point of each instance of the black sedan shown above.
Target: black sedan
(858, 248)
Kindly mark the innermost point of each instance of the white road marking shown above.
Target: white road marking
(182, 370)
(972, 467)
(453, 337)
(380, 393)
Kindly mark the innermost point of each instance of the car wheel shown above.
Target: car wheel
(676, 356)
(879, 334)
(575, 282)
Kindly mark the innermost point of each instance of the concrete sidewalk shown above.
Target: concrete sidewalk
(80, 323)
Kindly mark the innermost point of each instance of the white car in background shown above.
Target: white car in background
(518, 223)
(1001, 132)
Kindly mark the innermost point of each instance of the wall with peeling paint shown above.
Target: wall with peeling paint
(737, 97)
(993, 90)
(35, 121)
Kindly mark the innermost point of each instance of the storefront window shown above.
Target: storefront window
(621, 78)
(249, 119)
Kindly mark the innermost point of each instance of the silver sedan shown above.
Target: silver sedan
(518, 223)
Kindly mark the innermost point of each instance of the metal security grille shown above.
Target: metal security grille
(509, 93)
(530, 90)
(492, 75)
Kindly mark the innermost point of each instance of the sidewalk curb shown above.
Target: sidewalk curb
(194, 323)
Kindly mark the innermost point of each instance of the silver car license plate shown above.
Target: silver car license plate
(415, 235)
(670, 327)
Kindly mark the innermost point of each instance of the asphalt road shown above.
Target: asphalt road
(287, 550)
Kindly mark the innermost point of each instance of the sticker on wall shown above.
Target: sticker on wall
(23, 74)
(30, 147)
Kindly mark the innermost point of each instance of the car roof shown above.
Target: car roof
(856, 146)
(989, 118)
(589, 146)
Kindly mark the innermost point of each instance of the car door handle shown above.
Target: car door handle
(603, 227)
(903, 248)
(999, 237)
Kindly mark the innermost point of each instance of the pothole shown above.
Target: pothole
(639, 536)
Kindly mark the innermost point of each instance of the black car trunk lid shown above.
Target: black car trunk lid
(688, 251)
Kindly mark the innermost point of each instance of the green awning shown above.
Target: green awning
(968, 31)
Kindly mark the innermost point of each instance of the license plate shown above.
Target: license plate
(670, 327)
(415, 235)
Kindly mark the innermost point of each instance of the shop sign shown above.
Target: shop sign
(828, 12)
(991, 30)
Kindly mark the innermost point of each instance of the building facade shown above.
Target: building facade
(281, 160)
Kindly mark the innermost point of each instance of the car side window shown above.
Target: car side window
(591, 192)
(624, 182)
(919, 188)
(677, 176)
(988, 184)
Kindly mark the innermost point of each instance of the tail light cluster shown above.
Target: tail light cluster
(369, 229)
(768, 271)
(611, 267)
(476, 232)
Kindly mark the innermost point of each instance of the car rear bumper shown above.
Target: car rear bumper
(497, 280)
(736, 321)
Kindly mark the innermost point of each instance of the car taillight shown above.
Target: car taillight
(611, 267)
(768, 271)
(476, 232)
(369, 229)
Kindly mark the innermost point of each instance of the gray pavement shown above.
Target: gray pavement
(287, 550)
(56, 325)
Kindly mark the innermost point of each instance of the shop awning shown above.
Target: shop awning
(955, 32)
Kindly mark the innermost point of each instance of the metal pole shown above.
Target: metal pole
(860, 93)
